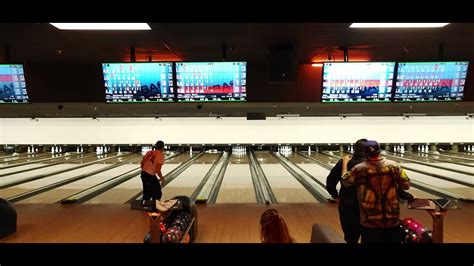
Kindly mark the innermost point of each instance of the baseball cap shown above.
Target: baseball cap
(371, 147)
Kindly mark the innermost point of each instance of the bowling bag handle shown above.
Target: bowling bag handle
(165, 205)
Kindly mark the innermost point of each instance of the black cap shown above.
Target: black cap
(371, 147)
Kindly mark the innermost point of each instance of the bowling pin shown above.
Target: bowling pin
(119, 150)
(29, 150)
(82, 149)
(60, 149)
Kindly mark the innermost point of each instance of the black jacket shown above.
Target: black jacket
(334, 177)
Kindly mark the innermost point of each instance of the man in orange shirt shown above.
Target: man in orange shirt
(151, 167)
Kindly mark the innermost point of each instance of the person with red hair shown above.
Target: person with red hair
(273, 228)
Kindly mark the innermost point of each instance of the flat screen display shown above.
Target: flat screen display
(12, 84)
(138, 82)
(358, 81)
(430, 81)
(211, 81)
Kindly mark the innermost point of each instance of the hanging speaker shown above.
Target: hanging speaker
(256, 116)
(282, 65)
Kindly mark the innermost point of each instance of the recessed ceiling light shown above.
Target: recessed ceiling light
(102, 26)
(398, 25)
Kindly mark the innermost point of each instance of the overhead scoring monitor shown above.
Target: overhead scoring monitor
(357, 81)
(430, 81)
(211, 81)
(12, 84)
(138, 82)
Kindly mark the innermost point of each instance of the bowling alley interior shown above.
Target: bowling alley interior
(189, 133)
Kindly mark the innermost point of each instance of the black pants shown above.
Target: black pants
(381, 235)
(349, 217)
(151, 187)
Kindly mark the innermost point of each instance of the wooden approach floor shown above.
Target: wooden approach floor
(218, 223)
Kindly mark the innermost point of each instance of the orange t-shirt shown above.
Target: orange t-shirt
(152, 162)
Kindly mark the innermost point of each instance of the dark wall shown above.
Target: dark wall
(82, 82)
(61, 82)
(307, 87)
(469, 87)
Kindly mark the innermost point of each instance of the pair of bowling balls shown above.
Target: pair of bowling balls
(172, 235)
(414, 232)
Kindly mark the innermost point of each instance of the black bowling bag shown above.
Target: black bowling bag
(178, 221)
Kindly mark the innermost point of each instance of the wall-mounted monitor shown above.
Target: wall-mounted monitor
(12, 84)
(357, 81)
(430, 81)
(211, 81)
(138, 82)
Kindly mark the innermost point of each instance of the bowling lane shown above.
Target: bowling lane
(24, 159)
(21, 188)
(62, 192)
(457, 176)
(28, 186)
(431, 160)
(187, 181)
(317, 171)
(285, 187)
(464, 191)
(459, 154)
(54, 159)
(123, 192)
(237, 185)
(324, 158)
(14, 154)
(445, 158)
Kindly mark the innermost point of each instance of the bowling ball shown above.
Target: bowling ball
(177, 231)
(187, 239)
(186, 217)
(170, 237)
(147, 238)
(427, 237)
(180, 223)
(407, 221)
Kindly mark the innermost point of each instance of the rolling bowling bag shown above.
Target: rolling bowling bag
(190, 208)
(176, 224)
(7, 218)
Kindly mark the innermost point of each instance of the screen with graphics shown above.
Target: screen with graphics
(12, 84)
(211, 81)
(430, 81)
(138, 82)
(358, 81)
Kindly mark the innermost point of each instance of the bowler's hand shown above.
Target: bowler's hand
(346, 158)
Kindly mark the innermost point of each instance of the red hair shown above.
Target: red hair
(273, 228)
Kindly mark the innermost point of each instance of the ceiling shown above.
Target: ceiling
(41, 42)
